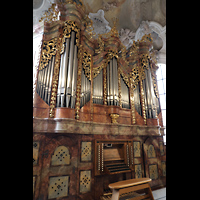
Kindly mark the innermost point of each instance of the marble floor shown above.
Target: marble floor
(159, 194)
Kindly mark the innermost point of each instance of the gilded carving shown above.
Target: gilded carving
(68, 27)
(132, 103)
(143, 105)
(51, 14)
(48, 50)
(55, 78)
(78, 87)
(114, 118)
(105, 86)
(87, 64)
(119, 87)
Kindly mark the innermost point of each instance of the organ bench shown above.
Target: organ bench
(131, 185)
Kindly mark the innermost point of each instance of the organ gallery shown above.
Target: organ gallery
(97, 116)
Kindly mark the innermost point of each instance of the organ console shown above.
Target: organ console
(113, 156)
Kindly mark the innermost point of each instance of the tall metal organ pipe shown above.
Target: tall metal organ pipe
(85, 89)
(98, 89)
(137, 99)
(112, 83)
(124, 95)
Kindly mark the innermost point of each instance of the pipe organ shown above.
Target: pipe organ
(97, 116)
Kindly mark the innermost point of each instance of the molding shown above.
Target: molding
(68, 126)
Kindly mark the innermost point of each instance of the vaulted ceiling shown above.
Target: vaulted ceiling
(130, 14)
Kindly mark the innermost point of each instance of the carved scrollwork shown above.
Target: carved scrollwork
(134, 76)
(48, 50)
(68, 27)
(87, 65)
(97, 70)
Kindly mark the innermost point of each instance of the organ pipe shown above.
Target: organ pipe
(74, 78)
(64, 66)
(85, 89)
(98, 89)
(137, 100)
(70, 68)
(112, 82)
(115, 80)
(124, 95)
(50, 79)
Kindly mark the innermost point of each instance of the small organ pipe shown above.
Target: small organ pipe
(38, 81)
(50, 79)
(101, 87)
(59, 82)
(108, 84)
(115, 81)
(44, 84)
(47, 81)
(41, 82)
(98, 89)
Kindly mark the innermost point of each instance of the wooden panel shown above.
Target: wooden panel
(64, 113)
(40, 108)
(116, 152)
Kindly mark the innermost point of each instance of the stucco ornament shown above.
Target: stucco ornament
(144, 29)
(126, 36)
(100, 24)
